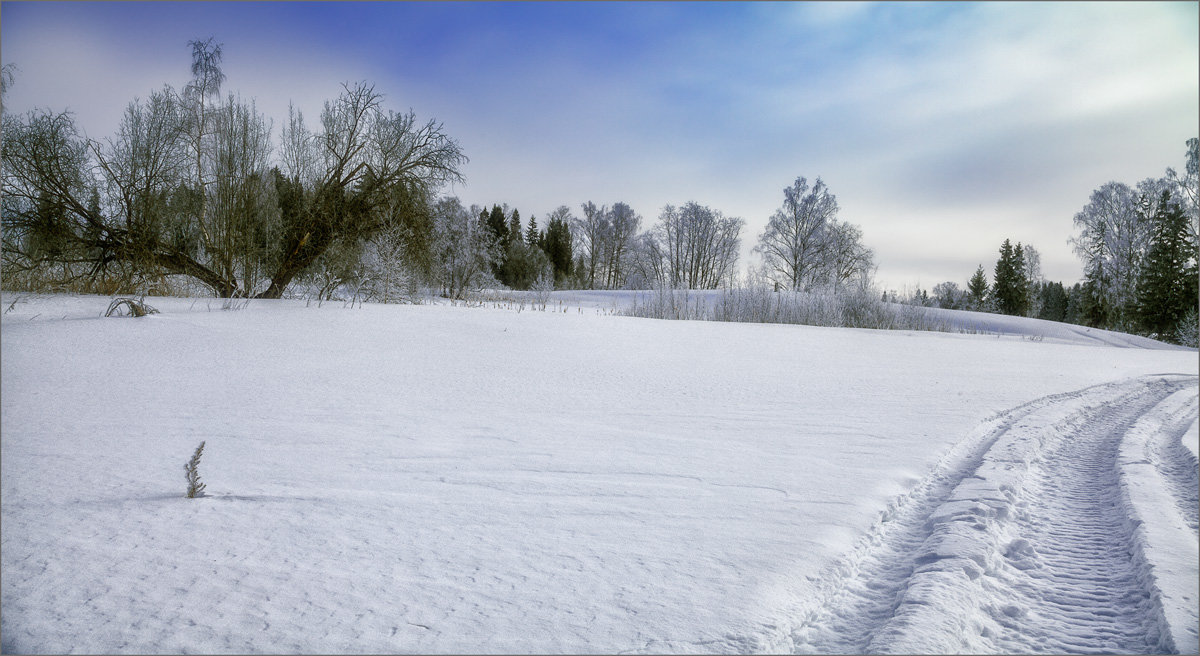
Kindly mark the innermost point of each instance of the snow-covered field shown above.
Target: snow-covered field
(448, 479)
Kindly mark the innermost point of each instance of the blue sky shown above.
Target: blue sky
(943, 128)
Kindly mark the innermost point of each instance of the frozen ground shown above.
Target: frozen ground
(449, 479)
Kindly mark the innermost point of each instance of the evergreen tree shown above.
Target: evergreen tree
(557, 246)
(1020, 282)
(1093, 306)
(1166, 289)
(1054, 302)
(531, 235)
(514, 227)
(497, 224)
(977, 289)
(1006, 285)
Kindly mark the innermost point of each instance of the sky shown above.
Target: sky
(942, 128)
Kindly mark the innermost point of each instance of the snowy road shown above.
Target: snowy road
(1043, 532)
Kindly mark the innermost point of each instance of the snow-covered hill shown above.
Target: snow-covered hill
(449, 479)
(996, 325)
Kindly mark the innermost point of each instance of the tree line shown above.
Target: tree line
(201, 185)
(1139, 249)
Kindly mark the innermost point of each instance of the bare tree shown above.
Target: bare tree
(590, 232)
(699, 246)
(845, 258)
(794, 242)
(199, 96)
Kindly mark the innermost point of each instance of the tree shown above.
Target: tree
(1185, 190)
(1111, 242)
(590, 231)
(1009, 288)
(463, 249)
(366, 152)
(977, 289)
(514, 228)
(1167, 288)
(1053, 302)
(846, 258)
(948, 295)
(199, 96)
(532, 236)
(622, 225)
(699, 246)
(182, 188)
(558, 243)
(794, 242)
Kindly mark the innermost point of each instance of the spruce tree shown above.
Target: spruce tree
(1054, 302)
(1004, 285)
(1020, 295)
(514, 227)
(1167, 286)
(558, 248)
(977, 288)
(497, 224)
(531, 235)
(1093, 306)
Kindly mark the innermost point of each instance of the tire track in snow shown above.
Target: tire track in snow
(1174, 462)
(1026, 545)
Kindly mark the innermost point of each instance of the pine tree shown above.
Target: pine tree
(977, 288)
(1167, 287)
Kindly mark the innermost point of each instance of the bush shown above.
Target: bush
(850, 307)
(1188, 331)
(136, 308)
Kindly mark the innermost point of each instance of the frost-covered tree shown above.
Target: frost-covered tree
(948, 295)
(846, 258)
(1112, 240)
(591, 232)
(698, 246)
(794, 244)
(463, 250)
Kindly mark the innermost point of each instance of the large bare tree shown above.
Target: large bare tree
(795, 242)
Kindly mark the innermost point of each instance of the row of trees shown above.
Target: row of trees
(192, 185)
(690, 246)
(1139, 247)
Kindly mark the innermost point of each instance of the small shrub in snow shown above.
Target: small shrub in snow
(1188, 332)
(194, 487)
(135, 307)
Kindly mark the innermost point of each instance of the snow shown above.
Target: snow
(446, 479)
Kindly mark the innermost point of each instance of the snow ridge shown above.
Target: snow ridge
(1025, 539)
